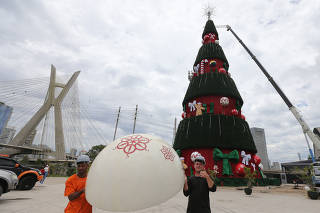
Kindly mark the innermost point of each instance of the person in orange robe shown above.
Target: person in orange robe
(75, 188)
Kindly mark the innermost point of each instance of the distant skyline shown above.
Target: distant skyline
(139, 52)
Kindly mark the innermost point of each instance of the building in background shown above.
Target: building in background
(260, 142)
(275, 166)
(5, 114)
(7, 135)
(73, 152)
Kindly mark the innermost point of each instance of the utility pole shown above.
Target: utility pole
(115, 129)
(135, 119)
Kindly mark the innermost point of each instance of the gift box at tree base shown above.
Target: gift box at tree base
(213, 125)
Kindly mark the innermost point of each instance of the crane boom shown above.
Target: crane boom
(305, 128)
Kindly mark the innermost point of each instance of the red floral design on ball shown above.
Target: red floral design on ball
(132, 143)
(167, 153)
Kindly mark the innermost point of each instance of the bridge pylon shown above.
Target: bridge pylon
(51, 101)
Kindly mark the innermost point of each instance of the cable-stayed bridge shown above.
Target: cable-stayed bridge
(49, 119)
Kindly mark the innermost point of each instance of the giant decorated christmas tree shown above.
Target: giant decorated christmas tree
(213, 124)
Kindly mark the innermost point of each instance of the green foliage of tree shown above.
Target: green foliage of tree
(306, 175)
(251, 176)
(94, 151)
(25, 160)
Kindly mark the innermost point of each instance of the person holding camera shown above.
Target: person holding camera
(197, 187)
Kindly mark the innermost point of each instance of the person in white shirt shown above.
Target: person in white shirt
(46, 172)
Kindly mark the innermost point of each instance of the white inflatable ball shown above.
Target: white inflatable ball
(134, 172)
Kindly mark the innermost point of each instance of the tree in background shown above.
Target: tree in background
(94, 151)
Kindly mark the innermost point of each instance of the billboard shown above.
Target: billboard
(5, 113)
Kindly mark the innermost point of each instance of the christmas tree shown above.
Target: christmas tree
(213, 125)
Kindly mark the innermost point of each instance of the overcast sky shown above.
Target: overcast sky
(139, 52)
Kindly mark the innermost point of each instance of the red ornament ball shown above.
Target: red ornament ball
(234, 112)
(239, 169)
(243, 117)
(222, 70)
(256, 159)
(183, 115)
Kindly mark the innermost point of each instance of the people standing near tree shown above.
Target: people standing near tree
(75, 188)
(197, 187)
(45, 174)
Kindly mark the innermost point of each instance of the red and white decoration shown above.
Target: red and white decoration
(194, 155)
(224, 101)
(239, 169)
(256, 159)
(202, 65)
(132, 143)
(234, 112)
(167, 153)
(209, 38)
(222, 70)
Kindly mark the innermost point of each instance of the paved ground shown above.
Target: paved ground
(49, 198)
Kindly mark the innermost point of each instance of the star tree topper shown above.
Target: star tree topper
(208, 11)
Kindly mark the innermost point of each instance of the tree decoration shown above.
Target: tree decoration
(196, 69)
(184, 115)
(224, 101)
(239, 169)
(222, 70)
(211, 107)
(212, 63)
(194, 155)
(245, 158)
(212, 36)
(234, 112)
(216, 41)
(202, 65)
(219, 155)
(205, 108)
(256, 159)
(243, 117)
(205, 39)
(199, 108)
(192, 105)
(253, 166)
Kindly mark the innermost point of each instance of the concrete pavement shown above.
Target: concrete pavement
(49, 198)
